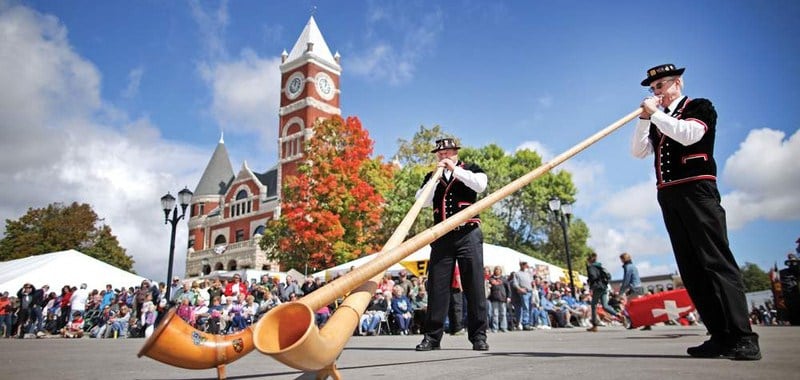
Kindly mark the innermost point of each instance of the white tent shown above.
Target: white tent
(493, 255)
(63, 268)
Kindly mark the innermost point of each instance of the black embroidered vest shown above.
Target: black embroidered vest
(676, 163)
(452, 196)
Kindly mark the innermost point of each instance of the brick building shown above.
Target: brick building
(229, 210)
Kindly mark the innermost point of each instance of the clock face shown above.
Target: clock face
(325, 86)
(294, 85)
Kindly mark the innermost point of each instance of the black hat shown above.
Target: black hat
(443, 144)
(660, 71)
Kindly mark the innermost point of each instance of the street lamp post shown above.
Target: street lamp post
(562, 213)
(168, 204)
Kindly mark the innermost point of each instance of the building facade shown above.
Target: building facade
(229, 211)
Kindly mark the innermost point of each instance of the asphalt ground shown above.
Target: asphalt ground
(559, 354)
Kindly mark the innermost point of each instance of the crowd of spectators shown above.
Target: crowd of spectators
(520, 300)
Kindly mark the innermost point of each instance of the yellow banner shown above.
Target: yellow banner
(417, 268)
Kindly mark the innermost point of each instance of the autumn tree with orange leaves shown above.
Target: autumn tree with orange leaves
(331, 211)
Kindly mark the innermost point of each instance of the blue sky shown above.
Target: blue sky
(116, 102)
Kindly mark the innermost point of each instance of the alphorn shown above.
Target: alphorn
(177, 343)
(289, 334)
(326, 343)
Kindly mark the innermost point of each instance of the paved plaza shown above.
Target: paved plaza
(612, 353)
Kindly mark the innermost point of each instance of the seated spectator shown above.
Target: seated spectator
(150, 315)
(186, 311)
(557, 316)
(250, 309)
(375, 313)
(118, 325)
(201, 314)
(101, 324)
(235, 315)
(401, 309)
(269, 303)
(73, 329)
(579, 310)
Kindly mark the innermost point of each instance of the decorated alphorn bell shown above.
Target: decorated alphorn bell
(289, 334)
(177, 343)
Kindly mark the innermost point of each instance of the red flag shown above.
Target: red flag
(659, 307)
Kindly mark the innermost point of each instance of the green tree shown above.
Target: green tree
(754, 278)
(59, 228)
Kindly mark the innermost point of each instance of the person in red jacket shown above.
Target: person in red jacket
(236, 287)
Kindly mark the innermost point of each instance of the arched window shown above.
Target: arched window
(242, 194)
(206, 269)
(232, 265)
(220, 240)
(218, 266)
(259, 230)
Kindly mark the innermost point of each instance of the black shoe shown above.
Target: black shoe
(747, 349)
(480, 345)
(427, 345)
(710, 349)
(647, 328)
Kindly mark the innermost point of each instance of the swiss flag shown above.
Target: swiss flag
(659, 307)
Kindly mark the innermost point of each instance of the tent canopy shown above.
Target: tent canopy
(493, 255)
(61, 268)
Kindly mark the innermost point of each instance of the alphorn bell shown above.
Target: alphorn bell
(289, 334)
(177, 343)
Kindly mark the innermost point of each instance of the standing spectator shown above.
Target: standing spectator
(683, 131)
(386, 284)
(139, 298)
(499, 291)
(79, 299)
(631, 283)
(216, 290)
(456, 190)
(5, 315)
(25, 312)
(631, 287)
(108, 297)
(598, 283)
(37, 315)
(405, 282)
(419, 303)
(522, 285)
(288, 288)
(65, 305)
(308, 285)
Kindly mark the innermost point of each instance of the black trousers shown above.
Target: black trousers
(698, 231)
(466, 248)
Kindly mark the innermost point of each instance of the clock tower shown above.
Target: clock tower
(309, 91)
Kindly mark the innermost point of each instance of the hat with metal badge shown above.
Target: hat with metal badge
(661, 71)
(443, 144)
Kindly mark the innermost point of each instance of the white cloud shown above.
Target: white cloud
(246, 94)
(394, 62)
(764, 177)
(56, 149)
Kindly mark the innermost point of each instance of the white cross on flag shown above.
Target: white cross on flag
(659, 307)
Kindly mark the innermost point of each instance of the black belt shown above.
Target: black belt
(466, 227)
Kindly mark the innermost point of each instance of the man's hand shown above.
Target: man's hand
(650, 106)
(447, 164)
